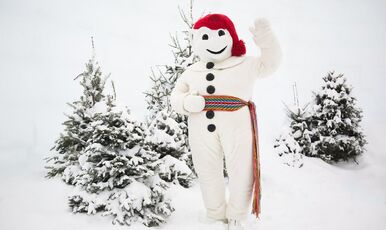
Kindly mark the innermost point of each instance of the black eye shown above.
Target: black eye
(221, 33)
(205, 37)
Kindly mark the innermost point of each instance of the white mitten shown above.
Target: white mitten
(194, 103)
(260, 30)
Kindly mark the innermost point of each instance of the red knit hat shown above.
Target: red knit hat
(220, 21)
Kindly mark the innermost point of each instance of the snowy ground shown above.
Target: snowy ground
(317, 196)
(44, 45)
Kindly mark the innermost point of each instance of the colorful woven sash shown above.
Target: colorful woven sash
(230, 103)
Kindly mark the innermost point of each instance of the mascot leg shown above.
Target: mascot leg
(237, 146)
(207, 156)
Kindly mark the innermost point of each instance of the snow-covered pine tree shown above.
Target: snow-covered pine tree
(295, 139)
(103, 153)
(167, 130)
(336, 121)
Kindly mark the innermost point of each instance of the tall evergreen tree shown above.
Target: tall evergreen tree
(164, 79)
(167, 130)
(336, 121)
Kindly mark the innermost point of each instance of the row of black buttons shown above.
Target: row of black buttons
(210, 89)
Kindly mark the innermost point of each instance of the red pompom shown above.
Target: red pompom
(238, 48)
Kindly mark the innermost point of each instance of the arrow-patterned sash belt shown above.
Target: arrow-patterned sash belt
(230, 103)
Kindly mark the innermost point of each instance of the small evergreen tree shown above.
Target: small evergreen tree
(331, 129)
(300, 128)
(118, 174)
(167, 130)
(336, 121)
(102, 151)
(77, 128)
(295, 141)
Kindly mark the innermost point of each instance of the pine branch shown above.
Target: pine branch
(113, 86)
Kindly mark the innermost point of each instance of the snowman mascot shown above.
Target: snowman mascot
(215, 93)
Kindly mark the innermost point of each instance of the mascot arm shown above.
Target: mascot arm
(184, 100)
(266, 40)
(178, 94)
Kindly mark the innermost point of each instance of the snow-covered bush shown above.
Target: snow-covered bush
(289, 150)
(166, 136)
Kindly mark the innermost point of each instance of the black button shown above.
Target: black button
(209, 114)
(209, 65)
(209, 77)
(210, 89)
(211, 128)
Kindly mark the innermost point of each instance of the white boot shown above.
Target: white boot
(203, 218)
(235, 224)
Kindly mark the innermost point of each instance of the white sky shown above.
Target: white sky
(44, 45)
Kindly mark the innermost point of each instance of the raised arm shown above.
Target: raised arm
(266, 40)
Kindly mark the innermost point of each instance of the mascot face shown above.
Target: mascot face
(212, 45)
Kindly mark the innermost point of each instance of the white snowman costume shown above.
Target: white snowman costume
(215, 134)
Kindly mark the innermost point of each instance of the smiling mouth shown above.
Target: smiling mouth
(217, 52)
